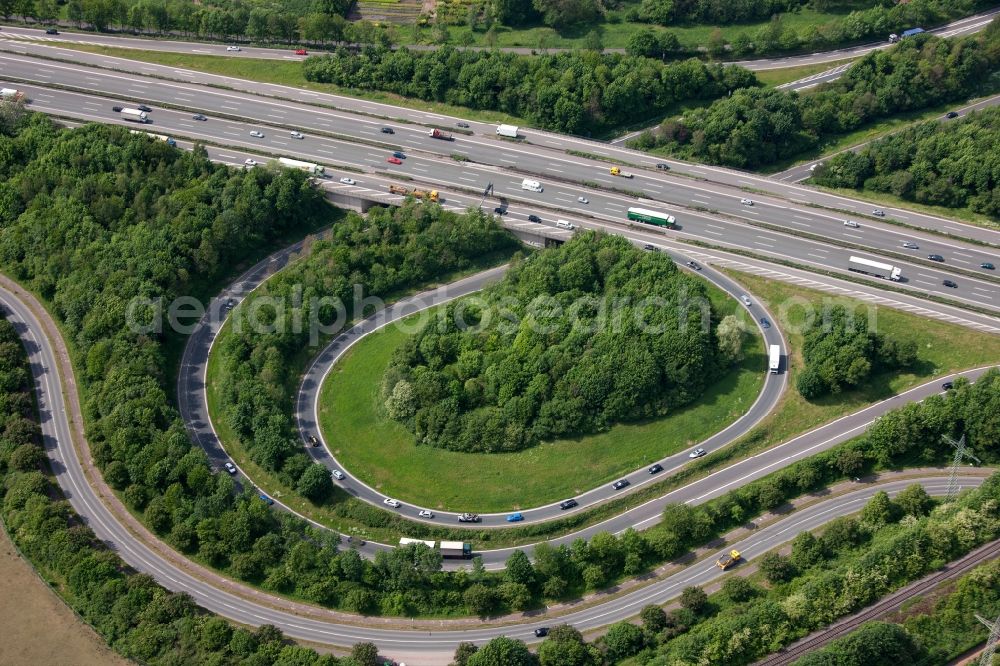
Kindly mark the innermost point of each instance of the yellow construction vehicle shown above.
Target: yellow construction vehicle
(727, 561)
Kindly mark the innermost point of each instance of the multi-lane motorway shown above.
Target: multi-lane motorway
(360, 119)
(711, 212)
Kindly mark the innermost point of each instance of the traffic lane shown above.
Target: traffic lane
(466, 176)
(508, 154)
(743, 471)
(315, 375)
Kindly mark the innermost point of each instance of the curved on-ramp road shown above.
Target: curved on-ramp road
(427, 642)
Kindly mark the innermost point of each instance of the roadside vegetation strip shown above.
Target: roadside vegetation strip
(968, 562)
(942, 620)
(854, 562)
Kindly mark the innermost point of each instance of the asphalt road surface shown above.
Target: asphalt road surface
(332, 115)
(964, 26)
(728, 220)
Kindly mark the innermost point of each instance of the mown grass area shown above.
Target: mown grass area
(945, 347)
(383, 454)
(288, 73)
(942, 348)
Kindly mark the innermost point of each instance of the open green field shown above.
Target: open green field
(944, 348)
(382, 452)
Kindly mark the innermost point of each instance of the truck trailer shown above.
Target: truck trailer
(135, 115)
(308, 167)
(428, 195)
(874, 268)
(11, 93)
(457, 549)
(438, 134)
(509, 131)
(159, 137)
(774, 359)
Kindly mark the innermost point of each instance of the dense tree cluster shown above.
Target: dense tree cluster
(942, 164)
(713, 12)
(756, 127)
(136, 616)
(570, 92)
(572, 341)
(857, 20)
(383, 254)
(259, 20)
(841, 352)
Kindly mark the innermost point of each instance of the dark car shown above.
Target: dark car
(951, 114)
(143, 107)
(116, 109)
(460, 124)
(199, 116)
(650, 248)
(947, 386)
(267, 500)
(387, 130)
(567, 504)
(500, 211)
(935, 257)
(619, 484)
(693, 265)
(949, 283)
(663, 167)
(399, 155)
(314, 440)
(987, 265)
(764, 323)
(51, 31)
(655, 469)
(534, 218)
(542, 632)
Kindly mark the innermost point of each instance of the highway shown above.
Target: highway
(332, 115)
(966, 26)
(706, 211)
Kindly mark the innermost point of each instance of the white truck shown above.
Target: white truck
(774, 359)
(456, 549)
(10, 93)
(509, 131)
(533, 185)
(308, 167)
(874, 268)
(159, 137)
(135, 115)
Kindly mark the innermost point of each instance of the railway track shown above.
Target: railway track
(886, 605)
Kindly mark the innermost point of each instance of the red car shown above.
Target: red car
(394, 160)
(301, 52)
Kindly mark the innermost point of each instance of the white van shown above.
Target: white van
(563, 224)
(533, 185)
